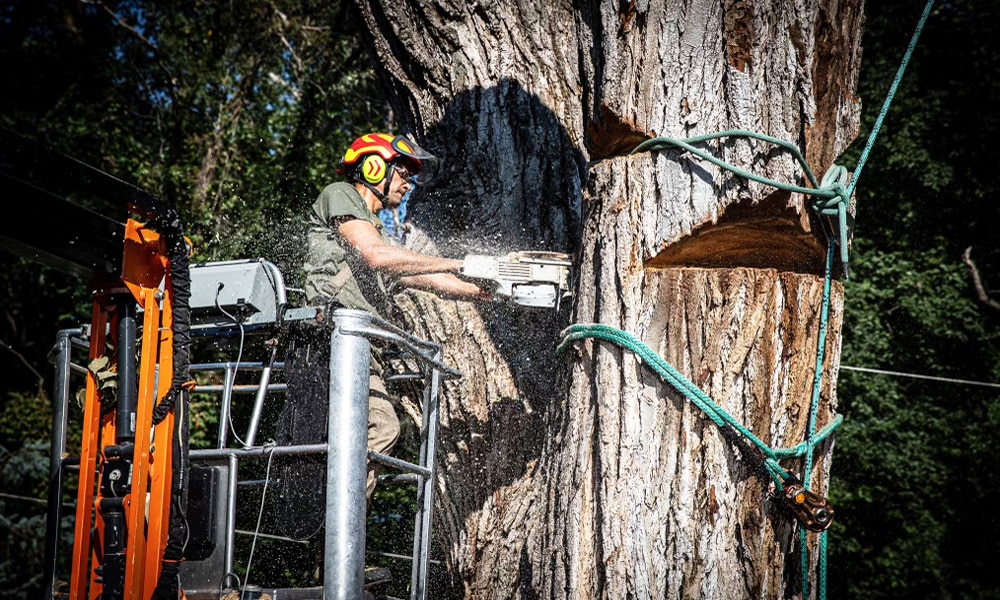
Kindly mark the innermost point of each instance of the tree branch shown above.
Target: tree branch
(41, 380)
(170, 79)
(977, 282)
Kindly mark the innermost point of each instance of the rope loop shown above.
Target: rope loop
(836, 205)
(834, 182)
(832, 196)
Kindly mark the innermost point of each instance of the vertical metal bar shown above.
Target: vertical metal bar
(227, 401)
(144, 379)
(57, 447)
(230, 517)
(416, 586)
(425, 505)
(258, 404)
(83, 550)
(347, 452)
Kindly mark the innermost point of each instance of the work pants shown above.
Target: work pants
(303, 420)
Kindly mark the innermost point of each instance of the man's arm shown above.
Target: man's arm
(446, 284)
(415, 270)
(394, 260)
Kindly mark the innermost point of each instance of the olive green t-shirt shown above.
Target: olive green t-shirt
(335, 273)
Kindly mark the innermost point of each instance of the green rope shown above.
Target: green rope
(870, 142)
(831, 195)
(818, 376)
(811, 440)
(714, 412)
(889, 97)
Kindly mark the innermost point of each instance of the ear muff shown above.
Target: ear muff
(373, 168)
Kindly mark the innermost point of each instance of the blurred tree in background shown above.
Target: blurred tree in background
(237, 113)
(915, 466)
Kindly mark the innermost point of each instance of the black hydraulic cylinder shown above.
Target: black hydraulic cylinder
(112, 570)
(128, 385)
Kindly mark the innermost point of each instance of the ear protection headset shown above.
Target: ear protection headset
(373, 169)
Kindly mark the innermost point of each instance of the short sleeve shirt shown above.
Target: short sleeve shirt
(335, 273)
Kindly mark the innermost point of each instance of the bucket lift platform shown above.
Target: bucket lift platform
(249, 295)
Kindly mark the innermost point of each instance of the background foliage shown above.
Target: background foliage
(915, 467)
(237, 112)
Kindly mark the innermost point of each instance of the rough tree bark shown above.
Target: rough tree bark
(584, 475)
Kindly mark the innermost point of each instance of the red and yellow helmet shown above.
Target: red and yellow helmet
(372, 155)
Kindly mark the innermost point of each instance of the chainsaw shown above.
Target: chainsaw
(536, 279)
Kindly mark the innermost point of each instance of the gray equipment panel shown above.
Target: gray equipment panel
(250, 291)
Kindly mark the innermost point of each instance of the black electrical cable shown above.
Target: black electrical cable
(177, 399)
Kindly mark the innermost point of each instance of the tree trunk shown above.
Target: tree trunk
(584, 475)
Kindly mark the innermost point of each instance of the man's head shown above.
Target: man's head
(371, 157)
(386, 165)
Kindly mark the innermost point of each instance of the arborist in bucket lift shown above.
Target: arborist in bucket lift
(351, 262)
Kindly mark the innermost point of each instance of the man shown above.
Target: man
(352, 262)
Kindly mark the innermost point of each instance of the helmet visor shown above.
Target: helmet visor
(420, 162)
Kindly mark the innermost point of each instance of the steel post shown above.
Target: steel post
(60, 400)
(258, 404)
(346, 465)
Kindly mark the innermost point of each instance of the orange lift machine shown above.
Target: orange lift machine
(129, 526)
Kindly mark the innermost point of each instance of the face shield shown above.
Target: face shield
(418, 161)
